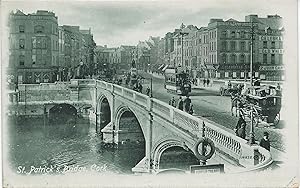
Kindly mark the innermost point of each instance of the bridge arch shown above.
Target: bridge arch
(103, 111)
(170, 145)
(126, 120)
(61, 113)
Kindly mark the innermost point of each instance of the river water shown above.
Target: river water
(68, 147)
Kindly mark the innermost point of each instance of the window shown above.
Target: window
(39, 29)
(22, 60)
(33, 59)
(233, 58)
(243, 45)
(178, 41)
(226, 74)
(280, 59)
(272, 58)
(21, 28)
(22, 44)
(242, 58)
(265, 44)
(232, 45)
(280, 44)
(39, 42)
(224, 34)
(232, 34)
(224, 45)
(265, 58)
(242, 34)
(273, 44)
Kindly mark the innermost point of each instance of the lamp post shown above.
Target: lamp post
(251, 133)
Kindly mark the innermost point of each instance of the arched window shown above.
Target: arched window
(242, 58)
(39, 29)
(233, 58)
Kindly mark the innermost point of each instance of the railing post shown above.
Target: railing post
(203, 162)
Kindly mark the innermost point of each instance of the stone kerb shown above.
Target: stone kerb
(262, 159)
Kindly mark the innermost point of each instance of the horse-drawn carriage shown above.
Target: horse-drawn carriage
(263, 103)
(230, 89)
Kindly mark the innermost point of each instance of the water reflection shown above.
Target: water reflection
(33, 143)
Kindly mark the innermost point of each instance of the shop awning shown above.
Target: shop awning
(165, 67)
(161, 66)
(210, 67)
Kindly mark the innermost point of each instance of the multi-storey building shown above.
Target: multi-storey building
(183, 47)
(269, 41)
(88, 47)
(33, 47)
(229, 49)
(223, 48)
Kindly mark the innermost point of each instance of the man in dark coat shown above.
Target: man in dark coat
(180, 103)
(265, 142)
(240, 129)
(187, 103)
(148, 91)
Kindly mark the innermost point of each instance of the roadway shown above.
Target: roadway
(207, 103)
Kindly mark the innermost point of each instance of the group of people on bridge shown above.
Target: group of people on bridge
(240, 131)
(182, 104)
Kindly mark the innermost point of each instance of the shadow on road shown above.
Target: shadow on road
(208, 93)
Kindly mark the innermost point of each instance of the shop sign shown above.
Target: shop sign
(214, 168)
(271, 68)
(237, 67)
(271, 51)
(271, 38)
(235, 24)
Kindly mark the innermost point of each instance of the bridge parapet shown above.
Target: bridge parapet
(251, 157)
(226, 142)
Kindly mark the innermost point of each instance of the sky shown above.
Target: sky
(115, 23)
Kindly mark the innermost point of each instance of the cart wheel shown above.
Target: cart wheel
(277, 119)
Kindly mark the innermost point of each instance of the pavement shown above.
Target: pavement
(215, 108)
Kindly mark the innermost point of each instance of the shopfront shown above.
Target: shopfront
(272, 73)
(236, 71)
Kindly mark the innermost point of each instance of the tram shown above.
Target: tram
(176, 82)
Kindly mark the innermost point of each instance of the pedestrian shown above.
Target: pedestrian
(265, 142)
(240, 129)
(187, 103)
(229, 84)
(148, 91)
(191, 111)
(140, 87)
(207, 82)
(180, 103)
(204, 82)
(170, 102)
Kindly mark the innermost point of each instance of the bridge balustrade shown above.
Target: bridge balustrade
(225, 141)
(161, 109)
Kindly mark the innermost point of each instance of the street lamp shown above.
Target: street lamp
(251, 132)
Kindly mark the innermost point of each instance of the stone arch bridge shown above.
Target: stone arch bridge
(162, 125)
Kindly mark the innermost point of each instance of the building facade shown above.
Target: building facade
(227, 49)
(33, 47)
